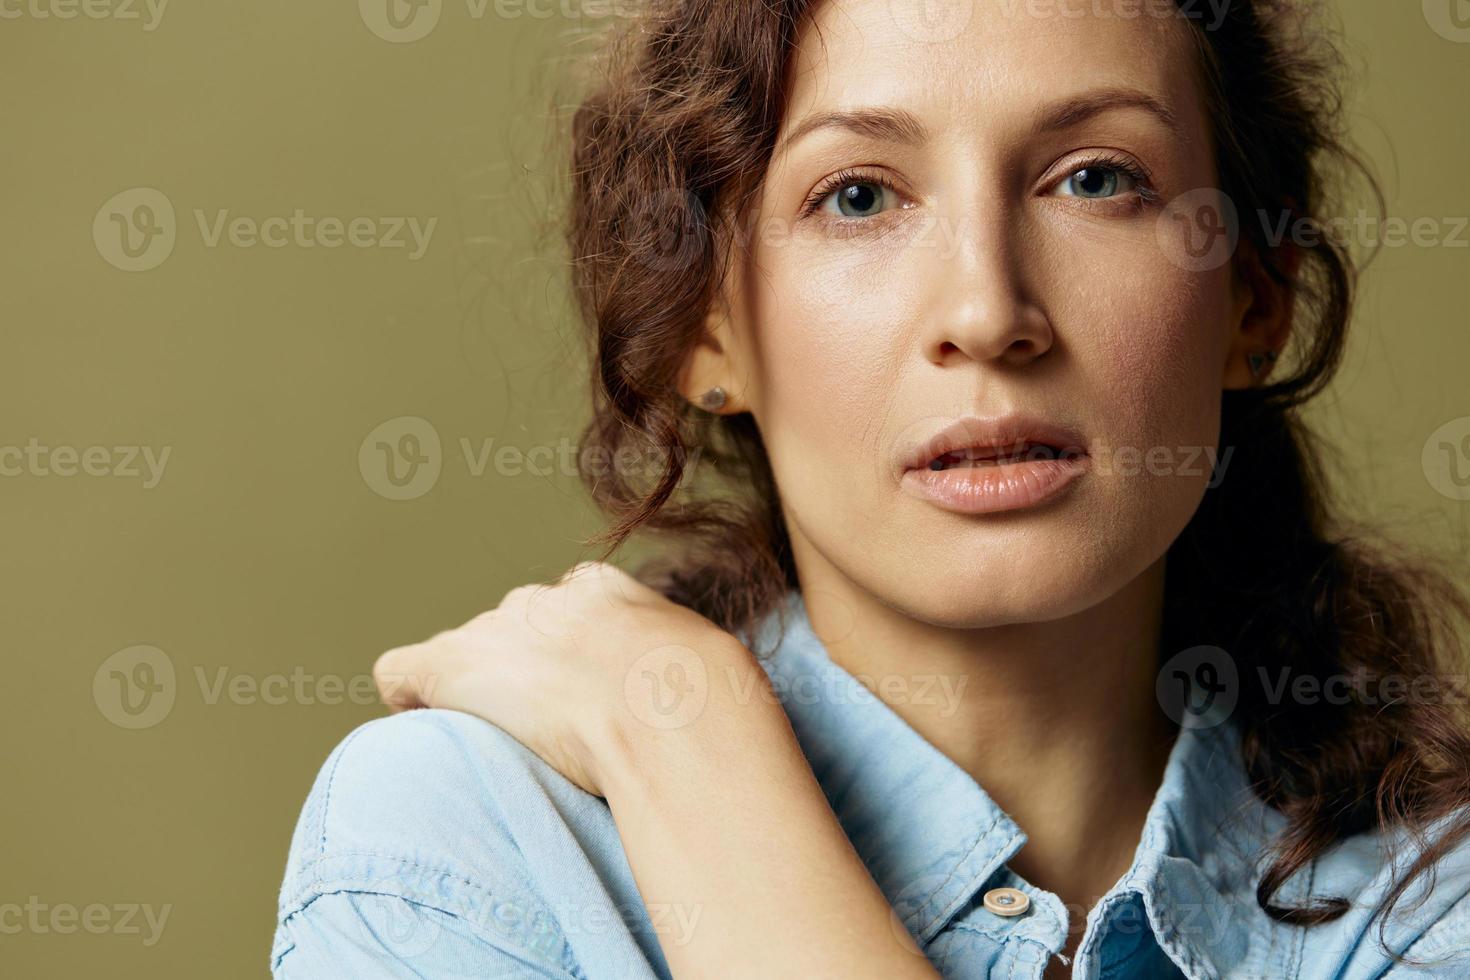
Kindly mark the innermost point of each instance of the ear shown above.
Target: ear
(1260, 316)
(715, 361)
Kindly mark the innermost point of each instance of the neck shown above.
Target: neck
(1057, 720)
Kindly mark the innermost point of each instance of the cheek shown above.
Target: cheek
(1148, 373)
(828, 345)
(1150, 357)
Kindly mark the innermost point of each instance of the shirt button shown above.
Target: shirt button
(1007, 901)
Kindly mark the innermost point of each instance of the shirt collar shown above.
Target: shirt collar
(932, 838)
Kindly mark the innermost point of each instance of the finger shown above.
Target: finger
(609, 579)
(398, 675)
(582, 567)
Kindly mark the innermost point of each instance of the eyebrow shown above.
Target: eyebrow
(895, 125)
(888, 125)
(1071, 112)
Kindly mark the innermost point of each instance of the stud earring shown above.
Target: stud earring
(713, 399)
(1258, 362)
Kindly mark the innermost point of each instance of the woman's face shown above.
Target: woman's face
(997, 240)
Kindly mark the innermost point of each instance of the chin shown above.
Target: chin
(1001, 585)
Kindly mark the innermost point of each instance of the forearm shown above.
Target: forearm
(736, 852)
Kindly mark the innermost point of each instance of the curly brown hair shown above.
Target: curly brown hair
(670, 148)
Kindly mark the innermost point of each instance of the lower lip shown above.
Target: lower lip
(995, 487)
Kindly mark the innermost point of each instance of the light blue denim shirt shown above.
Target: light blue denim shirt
(435, 845)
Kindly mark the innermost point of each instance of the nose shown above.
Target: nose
(982, 308)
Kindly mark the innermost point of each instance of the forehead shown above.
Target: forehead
(989, 61)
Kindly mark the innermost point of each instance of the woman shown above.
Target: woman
(1012, 634)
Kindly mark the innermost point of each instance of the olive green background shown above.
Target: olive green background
(266, 552)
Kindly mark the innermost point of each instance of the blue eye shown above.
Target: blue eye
(859, 199)
(856, 194)
(1099, 181)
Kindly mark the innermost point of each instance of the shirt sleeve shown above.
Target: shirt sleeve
(415, 856)
(365, 934)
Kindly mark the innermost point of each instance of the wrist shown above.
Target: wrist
(682, 705)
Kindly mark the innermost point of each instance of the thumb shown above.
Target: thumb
(401, 681)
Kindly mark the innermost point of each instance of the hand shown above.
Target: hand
(580, 671)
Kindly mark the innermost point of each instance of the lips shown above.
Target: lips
(987, 466)
(991, 441)
(994, 455)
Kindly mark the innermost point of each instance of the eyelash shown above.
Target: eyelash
(838, 181)
(1136, 172)
(1142, 180)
